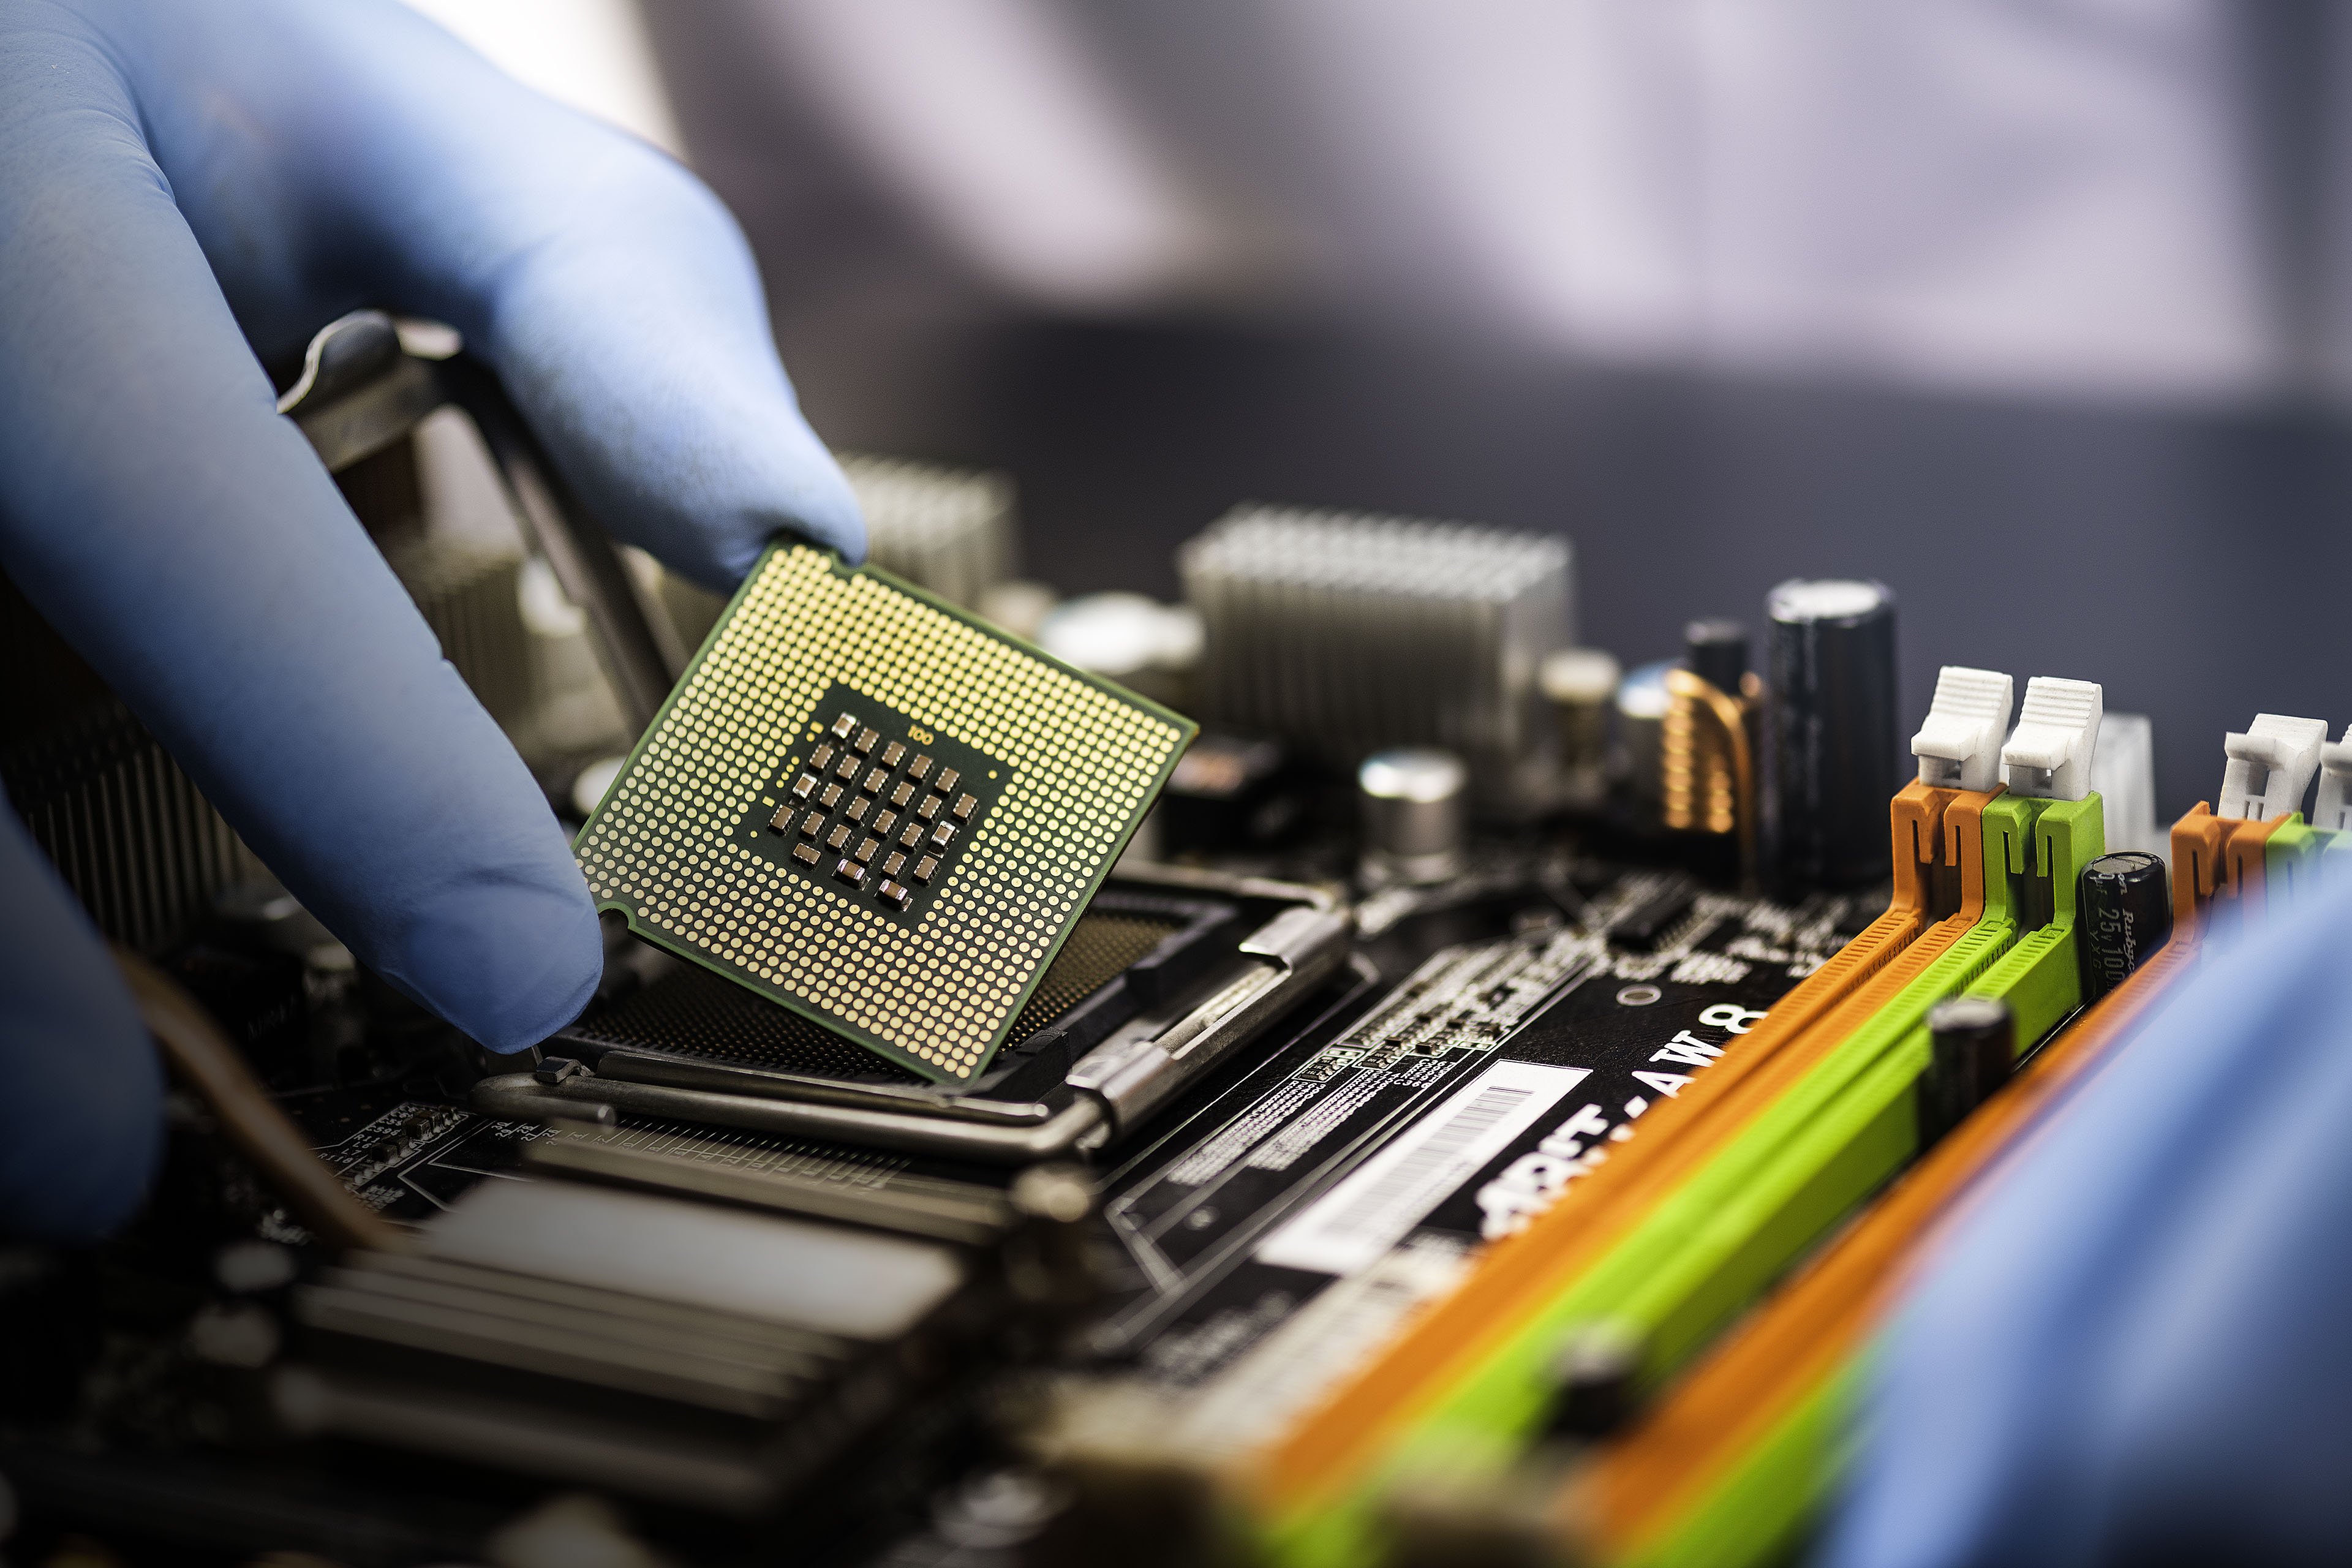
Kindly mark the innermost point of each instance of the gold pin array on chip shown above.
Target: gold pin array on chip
(1012, 782)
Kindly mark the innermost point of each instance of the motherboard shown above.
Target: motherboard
(1331, 1072)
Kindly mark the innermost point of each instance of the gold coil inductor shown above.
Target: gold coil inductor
(1706, 756)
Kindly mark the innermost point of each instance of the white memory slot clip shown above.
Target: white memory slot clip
(2333, 809)
(1959, 747)
(2049, 756)
(2269, 766)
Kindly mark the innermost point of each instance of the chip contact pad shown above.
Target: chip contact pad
(933, 770)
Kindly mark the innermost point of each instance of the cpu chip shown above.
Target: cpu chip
(1050, 770)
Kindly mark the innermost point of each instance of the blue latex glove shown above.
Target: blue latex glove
(185, 184)
(2134, 1348)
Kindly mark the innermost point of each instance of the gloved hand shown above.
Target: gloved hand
(185, 184)
(2132, 1349)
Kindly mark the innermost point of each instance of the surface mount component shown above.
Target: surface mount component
(1027, 778)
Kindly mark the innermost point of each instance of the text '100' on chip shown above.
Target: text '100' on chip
(875, 809)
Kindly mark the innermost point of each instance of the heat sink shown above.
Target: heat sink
(1347, 633)
(947, 530)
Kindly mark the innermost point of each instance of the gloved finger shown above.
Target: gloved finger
(81, 1121)
(2130, 1349)
(185, 539)
(611, 290)
(646, 364)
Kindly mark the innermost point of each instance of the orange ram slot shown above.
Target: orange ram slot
(1641, 1485)
(1938, 859)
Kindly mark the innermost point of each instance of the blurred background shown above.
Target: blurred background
(2039, 310)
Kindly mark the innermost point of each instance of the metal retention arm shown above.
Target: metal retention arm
(591, 571)
(360, 390)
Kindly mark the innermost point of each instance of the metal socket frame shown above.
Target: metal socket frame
(1109, 1090)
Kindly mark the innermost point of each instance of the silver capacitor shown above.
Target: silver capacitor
(1642, 703)
(1412, 804)
(1580, 682)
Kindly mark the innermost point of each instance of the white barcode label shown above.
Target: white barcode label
(1364, 1215)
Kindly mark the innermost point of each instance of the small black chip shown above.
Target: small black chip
(1642, 926)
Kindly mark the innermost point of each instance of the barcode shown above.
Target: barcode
(1351, 1226)
(1400, 1180)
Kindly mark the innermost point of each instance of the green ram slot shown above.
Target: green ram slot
(1837, 1135)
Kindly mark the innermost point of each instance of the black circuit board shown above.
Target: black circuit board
(1275, 1225)
(1369, 1148)
(1283, 1230)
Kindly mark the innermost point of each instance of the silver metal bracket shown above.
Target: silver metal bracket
(1108, 1091)
(360, 390)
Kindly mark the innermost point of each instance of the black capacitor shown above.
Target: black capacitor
(1972, 1045)
(1836, 749)
(1716, 652)
(2123, 912)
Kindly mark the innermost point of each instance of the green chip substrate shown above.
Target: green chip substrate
(876, 809)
